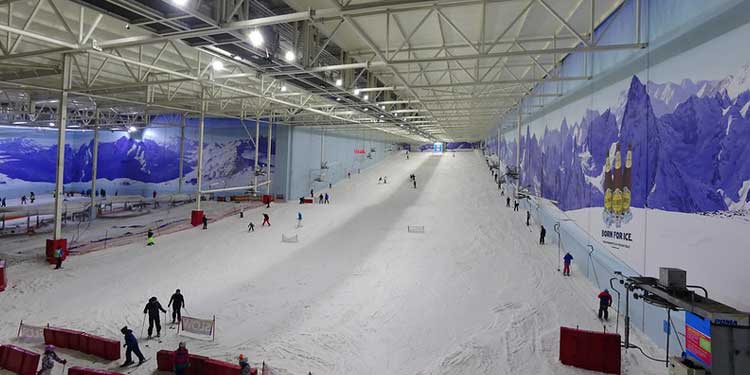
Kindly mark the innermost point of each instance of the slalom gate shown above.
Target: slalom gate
(597, 351)
(203, 327)
(29, 332)
(289, 239)
(415, 228)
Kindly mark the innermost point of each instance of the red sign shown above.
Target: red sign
(359, 151)
(698, 344)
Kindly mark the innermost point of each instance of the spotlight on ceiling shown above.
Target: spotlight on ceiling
(217, 65)
(356, 92)
(339, 82)
(132, 129)
(52, 124)
(289, 56)
(366, 97)
(256, 38)
(283, 88)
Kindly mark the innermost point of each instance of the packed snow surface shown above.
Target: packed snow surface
(358, 294)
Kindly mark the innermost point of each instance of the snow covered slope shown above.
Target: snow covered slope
(358, 294)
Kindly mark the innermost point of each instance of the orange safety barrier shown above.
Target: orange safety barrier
(90, 371)
(3, 279)
(590, 350)
(18, 360)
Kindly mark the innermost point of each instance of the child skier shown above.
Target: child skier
(181, 359)
(244, 365)
(326, 199)
(566, 264)
(507, 202)
(152, 309)
(150, 241)
(177, 301)
(299, 219)
(47, 360)
(320, 198)
(528, 218)
(131, 345)
(58, 258)
(266, 220)
(205, 222)
(251, 227)
(605, 301)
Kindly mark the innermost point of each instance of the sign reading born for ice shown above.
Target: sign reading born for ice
(198, 326)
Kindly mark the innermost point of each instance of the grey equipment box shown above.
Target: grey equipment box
(672, 278)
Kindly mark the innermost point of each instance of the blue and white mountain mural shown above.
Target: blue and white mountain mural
(690, 148)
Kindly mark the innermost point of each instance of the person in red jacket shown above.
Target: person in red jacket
(605, 301)
(181, 359)
(266, 220)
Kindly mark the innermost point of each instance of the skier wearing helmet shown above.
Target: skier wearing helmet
(181, 359)
(152, 308)
(131, 345)
(244, 365)
(49, 359)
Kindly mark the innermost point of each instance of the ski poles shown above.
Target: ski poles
(143, 324)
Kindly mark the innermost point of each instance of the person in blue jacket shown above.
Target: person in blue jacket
(566, 264)
(131, 345)
(299, 219)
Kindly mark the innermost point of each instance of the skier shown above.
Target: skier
(349, 175)
(605, 301)
(205, 222)
(385, 179)
(131, 345)
(23, 199)
(320, 198)
(177, 301)
(181, 359)
(542, 234)
(380, 179)
(47, 360)
(299, 219)
(566, 264)
(32, 197)
(58, 258)
(150, 241)
(301, 200)
(507, 202)
(244, 365)
(152, 308)
(251, 227)
(3, 203)
(414, 181)
(242, 214)
(312, 194)
(266, 220)
(528, 218)
(515, 205)
(326, 200)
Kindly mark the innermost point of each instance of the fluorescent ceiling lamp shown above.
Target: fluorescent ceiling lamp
(283, 88)
(290, 56)
(19, 122)
(217, 65)
(366, 97)
(51, 124)
(180, 3)
(356, 92)
(132, 129)
(339, 82)
(256, 38)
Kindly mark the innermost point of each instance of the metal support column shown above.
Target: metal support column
(498, 145)
(62, 118)
(182, 154)
(518, 149)
(268, 156)
(257, 146)
(201, 126)
(94, 166)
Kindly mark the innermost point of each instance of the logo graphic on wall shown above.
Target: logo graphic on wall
(618, 183)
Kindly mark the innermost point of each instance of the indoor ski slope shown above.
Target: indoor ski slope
(474, 294)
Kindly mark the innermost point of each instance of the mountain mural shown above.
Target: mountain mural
(690, 146)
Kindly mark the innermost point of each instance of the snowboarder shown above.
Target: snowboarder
(58, 258)
(542, 234)
(320, 198)
(326, 200)
(244, 365)
(181, 359)
(507, 202)
(177, 301)
(152, 308)
(566, 264)
(266, 220)
(528, 218)
(23, 199)
(150, 241)
(131, 345)
(205, 222)
(605, 301)
(47, 360)
(251, 227)
(515, 205)
(299, 219)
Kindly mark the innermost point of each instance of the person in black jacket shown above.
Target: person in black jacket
(152, 308)
(177, 302)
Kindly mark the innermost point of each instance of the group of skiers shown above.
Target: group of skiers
(24, 200)
(383, 179)
(413, 179)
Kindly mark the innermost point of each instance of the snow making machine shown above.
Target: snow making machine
(717, 336)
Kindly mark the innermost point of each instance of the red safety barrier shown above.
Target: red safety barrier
(199, 365)
(196, 217)
(309, 200)
(267, 199)
(83, 342)
(18, 360)
(53, 245)
(89, 371)
(590, 350)
(3, 279)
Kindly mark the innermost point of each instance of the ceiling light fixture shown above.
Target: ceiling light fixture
(217, 65)
(283, 88)
(366, 97)
(289, 56)
(256, 38)
(132, 129)
(339, 82)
